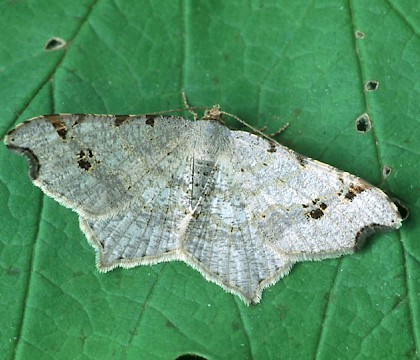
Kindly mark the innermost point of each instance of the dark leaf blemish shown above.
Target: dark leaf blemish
(386, 171)
(372, 85)
(359, 34)
(54, 43)
(363, 123)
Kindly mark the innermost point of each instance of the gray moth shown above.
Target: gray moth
(239, 208)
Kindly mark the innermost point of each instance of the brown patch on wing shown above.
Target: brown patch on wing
(317, 212)
(272, 148)
(59, 125)
(150, 120)
(302, 160)
(80, 119)
(354, 190)
(86, 159)
(120, 119)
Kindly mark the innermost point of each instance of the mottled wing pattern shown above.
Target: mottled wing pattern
(91, 163)
(239, 208)
(221, 242)
(306, 209)
(148, 231)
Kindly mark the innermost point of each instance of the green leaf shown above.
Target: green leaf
(269, 62)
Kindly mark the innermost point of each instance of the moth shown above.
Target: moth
(236, 206)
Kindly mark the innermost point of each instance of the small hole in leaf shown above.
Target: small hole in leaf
(363, 123)
(386, 170)
(372, 85)
(54, 43)
(360, 34)
(190, 357)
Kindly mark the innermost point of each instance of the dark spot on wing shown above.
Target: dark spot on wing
(150, 120)
(84, 164)
(59, 125)
(86, 159)
(302, 160)
(353, 191)
(80, 119)
(120, 119)
(33, 161)
(272, 148)
(317, 209)
(402, 209)
(364, 233)
(316, 214)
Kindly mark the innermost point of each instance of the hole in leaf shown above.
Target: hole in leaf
(386, 170)
(363, 123)
(190, 357)
(360, 34)
(54, 43)
(372, 85)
